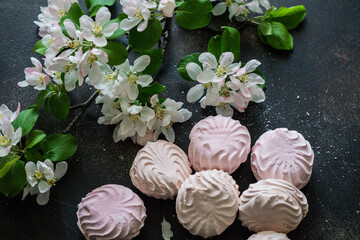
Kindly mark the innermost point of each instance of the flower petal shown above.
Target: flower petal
(252, 65)
(60, 170)
(144, 80)
(193, 70)
(43, 198)
(128, 24)
(195, 93)
(206, 76)
(43, 186)
(209, 59)
(226, 59)
(103, 16)
(70, 28)
(109, 29)
(141, 63)
(257, 94)
(86, 23)
(169, 133)
(219, 9)
(225, 111)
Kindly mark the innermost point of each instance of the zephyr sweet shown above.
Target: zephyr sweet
(111, 212)
(268, 235)
(159, 169)
(218, 143)
(272, 205)
(207, 203)
(283, 154)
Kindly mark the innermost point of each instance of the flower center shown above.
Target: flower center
(132, 79)
(138, 14)
(39, 175)
(51, 41)
(244, 78)
(207, 85)
(117, 104)
(57, 75)
(69, 66)
(222, 105)
(51, 182)
(73, 44)
(97, 30)
(134, 117)
(1, 116)
(224, 91)
(91, 59)
(41, 79)
(159, 111)
(62, 12)
(110, 77)
(228, 3)
(4, 141)
(220, 70)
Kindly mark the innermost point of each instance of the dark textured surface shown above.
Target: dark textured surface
(314, 90)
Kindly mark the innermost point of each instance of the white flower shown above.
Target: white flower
(90, 64)
(109, 85)
(247, 82)
(71, 68)
(35, 77)
(96, 32)
(6, 115)
(166, 114)
(254, 5)
(235, 8)
(52, 14)
(167, 7)
(110, 109)
(133, 119)
(8, 137)
(41, 177)
(131, 76)
(215, 71)
(138, 12)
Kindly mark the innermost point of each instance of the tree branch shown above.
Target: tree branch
(82, 107)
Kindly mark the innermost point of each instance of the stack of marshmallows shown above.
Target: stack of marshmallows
(208, 201)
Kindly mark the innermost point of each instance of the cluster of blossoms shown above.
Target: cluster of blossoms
(76, 57)
(140, 11)
(41, 177)
(124, 105)
(70, 59)
(240, 9)
(9, 138)
(226, 83)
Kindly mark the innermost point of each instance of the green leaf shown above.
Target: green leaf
(179, 2)
(289, 17)
(94, 10)
(74, 14)
(265, 28)
(280, 38)
(194, 14)
(118, 32)
(40, 47)
(141, 41)
(231, 41)
(214, 46)
(6, 163)
(116, 52)
(60, 105)
(41, 98)
(146, 92)
(90, 4)
(269, 11)
(156, 60)
(34, 138)
(26, 120)
(14, 181)
(262, 37)
(59, 147)
(184, 61)
(32, 155)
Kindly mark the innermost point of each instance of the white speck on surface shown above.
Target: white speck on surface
(307, 113)
(167, 234)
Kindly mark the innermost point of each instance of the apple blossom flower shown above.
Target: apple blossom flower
(8, 137)
(167, 7)
(71, 68)
(41, 177)
(166, 114)
(131, 76)
(235, 8)
(6, 115)
(254, 5)
(110, 109)
(53, 13)
(138, 12)
(109, 85)
(90, 65)
(97, 32)
(34, 76)
(134, 119)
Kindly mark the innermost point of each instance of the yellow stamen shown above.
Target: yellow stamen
(91, 59)
(170, 125)
(97, 30)
(159, 111)
(224, 91)
(207, 85)
(62, 12)
(69, 66)
(51, 182)
(228, 3)
(4, 141)
(110, 77)
(39, 175)
(138, 14)
(220, 70)
(132, 79)
(134, 117)
(41, 79)
(1, 116)
(51, 40)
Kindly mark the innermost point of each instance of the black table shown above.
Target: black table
(313, 89)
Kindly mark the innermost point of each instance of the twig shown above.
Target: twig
(83, 107)
(166, 34)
